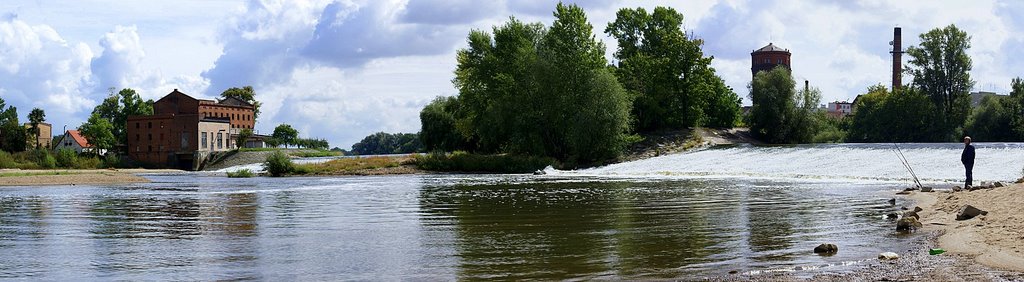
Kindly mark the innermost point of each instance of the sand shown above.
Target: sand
(995, 240)
(74, 177)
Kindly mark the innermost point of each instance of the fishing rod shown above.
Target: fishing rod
(906, 164)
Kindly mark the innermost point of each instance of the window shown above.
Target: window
(767, 61)
(203, 138)
(150, 136)
(780, 61)
(184, 140)
(136, 125)
(220, 140)
(161, 148)
(149, 124)
(136, 135)
(150, 148)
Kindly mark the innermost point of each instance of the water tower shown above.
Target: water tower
(769, 57)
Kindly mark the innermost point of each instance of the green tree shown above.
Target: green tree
(941, 69)
(1015, 106)
(242, 136)
(247, 94)
(437, 131)
(903, 116)
(12, 135)
(675, 86)
(99, 132)
(35, 117)
(285, 134)
(279, 164)
(117, 107)
(773, 96)
(991, 120)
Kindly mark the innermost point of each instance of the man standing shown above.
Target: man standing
(967, 157)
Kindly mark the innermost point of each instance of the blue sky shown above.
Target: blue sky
(341, 70)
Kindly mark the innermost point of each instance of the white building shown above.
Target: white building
(74, 140)
(839, 109)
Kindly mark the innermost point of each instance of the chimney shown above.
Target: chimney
(807, 86)
(897, 59)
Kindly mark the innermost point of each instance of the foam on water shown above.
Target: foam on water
(845, 162)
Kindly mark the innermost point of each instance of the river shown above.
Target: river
(704, 213)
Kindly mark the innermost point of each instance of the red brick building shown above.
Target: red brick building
(183, 131)
(769, 57)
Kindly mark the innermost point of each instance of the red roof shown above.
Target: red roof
(79, 139)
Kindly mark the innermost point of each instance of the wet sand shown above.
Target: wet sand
(75, 177)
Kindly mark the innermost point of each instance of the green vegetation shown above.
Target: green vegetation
(115, 110)
(37, 173)
(460, 161)
(247, 94)
(381, 143)
(781, 114)
(43, 159)
(12, 134)
(242, 137)
(673, 82)
(941, 70)
(284, 134)
(279, 164)
(35, 117)
(999, 118)
(242, 173)
(315, 154)
(99, 132)
(348, 166)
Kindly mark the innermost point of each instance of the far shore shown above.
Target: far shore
(54, 177)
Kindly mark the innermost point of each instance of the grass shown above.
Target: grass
(243, 173)
(473, 163)
(315, 154)
(350, 165)
(258, 149)
(36, 173)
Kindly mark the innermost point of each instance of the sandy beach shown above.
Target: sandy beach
(995, 240)
(15, 177)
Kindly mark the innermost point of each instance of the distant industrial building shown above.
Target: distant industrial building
(839, 109)
(45, 138)
(183, 131)
(768, 58)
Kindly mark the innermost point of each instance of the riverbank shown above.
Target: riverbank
(18, 177)
(993, 239)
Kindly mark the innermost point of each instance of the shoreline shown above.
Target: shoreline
(994, 240)
(60, 177)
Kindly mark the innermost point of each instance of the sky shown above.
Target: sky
(341, 70)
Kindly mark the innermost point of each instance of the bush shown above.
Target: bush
(67, 158)
(243, 173)
(42, 158)
(465, 162)
(278, 163)
(7, 161)
(88, 163)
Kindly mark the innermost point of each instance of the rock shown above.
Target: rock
(998, 184)
(911, 214)
(904, 208)
(907, 224)
(892, 216)
(968, 212)
(888, 256)
(910, 189)
(918, 209)
(903, 193)
(990, 186)
(927, 189)
(826, 249)
(957, 188)
(892, 201)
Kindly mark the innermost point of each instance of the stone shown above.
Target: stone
(918, 209)
(892, 216)
(998, 184)
(968, 212)
(903, 193)
(910, 189)
(892, 201)
(888, 256)
(911, 214)
(907, 224)
(957, 188)
(990, 186)
(826, 249)
(927, 189)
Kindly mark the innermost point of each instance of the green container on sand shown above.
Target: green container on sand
(935, 251)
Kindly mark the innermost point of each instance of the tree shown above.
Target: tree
(941, 69)
(437, 131)
(902, 116)
(12, 134)
(116, 108)
(99, 132)
(991, 120)
(1015, 106)
(285, 134)
(382, 143)
(35, 117)
(675, 86)
(773, 96)
(242, 137)
(247, 94)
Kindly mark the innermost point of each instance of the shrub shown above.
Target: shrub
(42, 158)
(88, 163)
(243, 173)
(7, 161)
(278, 163)
(67, 158)
(465, 162)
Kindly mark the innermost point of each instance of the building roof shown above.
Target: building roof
(75, 135)
(771, 48)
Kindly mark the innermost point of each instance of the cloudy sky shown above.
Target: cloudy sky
(341, 70)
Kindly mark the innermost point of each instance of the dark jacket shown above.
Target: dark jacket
(968, 156)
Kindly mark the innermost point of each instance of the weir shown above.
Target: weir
(933, 163)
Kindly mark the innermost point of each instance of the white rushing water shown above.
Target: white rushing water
(867, 162)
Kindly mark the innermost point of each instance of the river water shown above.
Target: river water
(692, 215)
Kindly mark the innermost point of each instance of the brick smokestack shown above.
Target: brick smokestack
(897, 59)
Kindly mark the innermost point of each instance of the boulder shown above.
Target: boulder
(968, 212)
(888, 256)
(892, 201)
(927, 189)
(826, 249)
(907, 224)
(957, 188)
(911, 214)
(918, 209)
(998, 184)
(892, 216)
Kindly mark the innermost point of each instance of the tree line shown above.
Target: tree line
(531, 89)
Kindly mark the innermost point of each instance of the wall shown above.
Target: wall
(757, 60)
